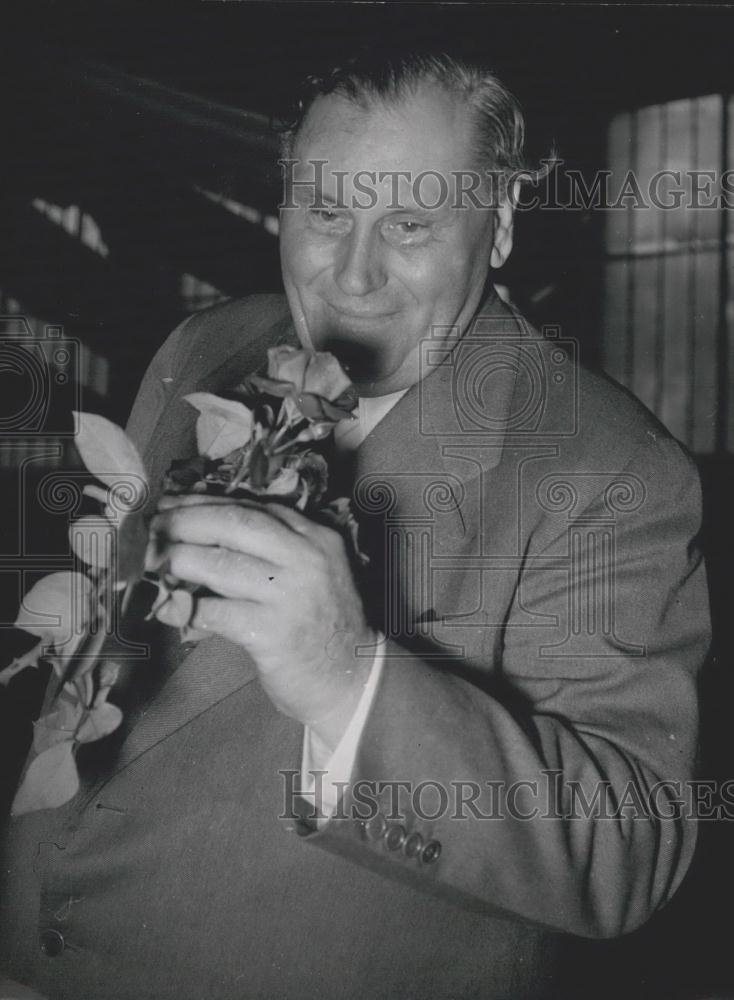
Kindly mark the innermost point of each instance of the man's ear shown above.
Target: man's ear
(503, 223)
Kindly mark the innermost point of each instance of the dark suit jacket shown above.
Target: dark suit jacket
(532, 531)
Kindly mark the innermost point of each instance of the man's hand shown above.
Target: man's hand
(287, 595)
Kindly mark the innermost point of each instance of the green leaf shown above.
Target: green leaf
(92, 539)
(110, 455)
(222, 426)
(338, 515)
(100, 721)
(132, 541)
(178, 610)
(87, 650)
(56, 609)
(108, 672)
(320, 409)
(50, 781)
(184, 474)
(106, 677)
(264, 414)
(59, 725)
(96, 492)
(275, 464)
(29, 659)
(163, 595)
(255, 384)
(314, 475)
(173, 607)
(259, 466)
(80, 689)
(314, 432)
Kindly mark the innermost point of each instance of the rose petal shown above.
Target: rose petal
(222, 425)
(325, 376)
(178, 610)
(288, 364)
(285, 482)
(319, 408)
(269, 386)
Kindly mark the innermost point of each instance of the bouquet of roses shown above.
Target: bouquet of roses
(254, 445)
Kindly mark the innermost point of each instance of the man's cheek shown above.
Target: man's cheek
(311, 259)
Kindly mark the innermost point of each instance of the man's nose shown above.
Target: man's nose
(359, 268)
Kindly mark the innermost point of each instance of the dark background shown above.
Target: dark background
(82, 127)
(129, 112)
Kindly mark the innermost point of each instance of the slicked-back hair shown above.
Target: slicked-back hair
(370, 78)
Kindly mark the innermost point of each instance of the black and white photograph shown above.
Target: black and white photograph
(367, 464)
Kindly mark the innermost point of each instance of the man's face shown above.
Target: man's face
(369, 283)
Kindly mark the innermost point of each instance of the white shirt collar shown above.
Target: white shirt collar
(349, 434)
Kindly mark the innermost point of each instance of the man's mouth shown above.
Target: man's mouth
(362, 316)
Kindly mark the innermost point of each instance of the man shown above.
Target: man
(494, 731)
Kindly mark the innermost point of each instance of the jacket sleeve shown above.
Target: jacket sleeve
(562, 800)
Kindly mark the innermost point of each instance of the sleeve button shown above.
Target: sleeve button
(395, 838)
(413, 845)
(431, 852)
(374, 828)
(51, 943)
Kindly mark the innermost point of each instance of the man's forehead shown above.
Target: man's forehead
(426, 130)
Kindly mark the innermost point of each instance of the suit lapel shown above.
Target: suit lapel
(422, 474)
(214, 669)
(434, 418)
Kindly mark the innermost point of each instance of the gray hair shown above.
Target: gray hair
(499, 124)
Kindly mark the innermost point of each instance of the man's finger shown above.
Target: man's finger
(293, 518)
(239, 621)
(298, 522)
(224, 571)
(250, 530)
(317, 534)
(288, 515)
(169, 500)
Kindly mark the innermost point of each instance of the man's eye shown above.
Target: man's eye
(327, 220)
(407, 232)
